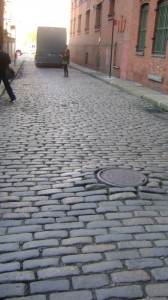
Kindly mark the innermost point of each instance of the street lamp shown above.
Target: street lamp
(111, 48)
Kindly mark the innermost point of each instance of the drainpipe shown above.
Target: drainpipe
(111, 48)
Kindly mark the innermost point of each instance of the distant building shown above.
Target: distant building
(127, 39)
(7, 28)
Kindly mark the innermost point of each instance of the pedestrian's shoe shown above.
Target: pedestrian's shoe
(13, 99)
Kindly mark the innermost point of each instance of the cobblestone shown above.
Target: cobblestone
(63, 234)
(46, 286)
(17, 276)
(128, 292)
(81, 295)
(12, 290)
(89, 281)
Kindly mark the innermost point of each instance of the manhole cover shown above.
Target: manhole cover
(121, 177)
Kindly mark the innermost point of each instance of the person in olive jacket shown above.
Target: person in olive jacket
(5, 61)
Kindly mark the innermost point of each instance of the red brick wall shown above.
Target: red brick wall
(140, 66)
(126, 63)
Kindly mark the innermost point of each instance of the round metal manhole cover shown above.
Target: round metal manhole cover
(121, 177)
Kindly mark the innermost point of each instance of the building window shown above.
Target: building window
(98, 16)
(79, 23)
(161, 28)
(74, 24)
(142, 27)
(71, 31)
(111, 9)
(87, 22)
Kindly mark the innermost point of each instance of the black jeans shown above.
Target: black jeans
(66, 70)
(7, 86)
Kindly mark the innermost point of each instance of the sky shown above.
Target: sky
(29, 14)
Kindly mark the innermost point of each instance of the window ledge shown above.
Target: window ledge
(115, 67)
(97, 29)
(158, 55)
(110, 17)
(156, 78)
(140, 53)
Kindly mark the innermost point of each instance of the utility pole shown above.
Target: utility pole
(111, 48)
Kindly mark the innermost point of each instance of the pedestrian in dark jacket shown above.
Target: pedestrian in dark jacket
(5, 61)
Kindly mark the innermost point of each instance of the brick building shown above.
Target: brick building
(127, 39)
(7, 29)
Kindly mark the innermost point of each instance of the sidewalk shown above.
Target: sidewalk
(159, 99)
(16, 68)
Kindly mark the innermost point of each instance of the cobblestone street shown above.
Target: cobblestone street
(63, 234)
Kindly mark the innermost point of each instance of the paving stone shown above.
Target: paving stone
(67, 219)
(28, 228)
(60, 251)
(46, 286)
(15, 216)
(77, 240)
(72, 200)
(40, 244)
(154, 252)
(161, 243)
(15, 204)
(128, 292)
(134, 244)
(81, 258)
(127, 229)
(150, 236)
(16, 238)
(89, 218)
(72, 295)
(130, 276)
(81, 212)
(157, 290)
(160, 274)
(37, 297)
(106, 238)
(8, 267)
(39, 221)
(122, 254)
(138, 221)
(157, 228)
(98, 248)
(87, 232)
(103, 224)
(47, 234)
(122, 196)
(89, 281)
(19, 255)
(7, 247)
(62, 226)
(17, 276)
(57, 272)
(152, 196)
(102, 267)
(12, 290)
(143, 263)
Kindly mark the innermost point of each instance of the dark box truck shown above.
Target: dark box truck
(51, 42)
